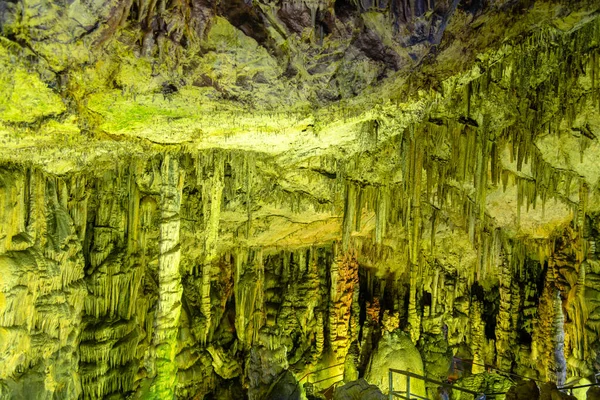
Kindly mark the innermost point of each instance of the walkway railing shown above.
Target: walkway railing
(563, 388)
(570, 388)
(308, 375)
(406, 394)
(489, 368)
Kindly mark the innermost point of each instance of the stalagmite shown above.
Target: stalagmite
(344, 279)
(504, 323)
(549, 341)
(478, 338)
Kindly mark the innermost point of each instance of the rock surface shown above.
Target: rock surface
(358, 390)
(396, 351)
(550, 391)
(593, 393)
(527, 390)
(285, 388)
(199, 199)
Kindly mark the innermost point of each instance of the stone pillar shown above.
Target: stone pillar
(504, 320)
(212, 211)
(169, 281)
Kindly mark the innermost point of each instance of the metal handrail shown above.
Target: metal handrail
(496, 369)
(409, 395)
(320, 370)
(565, 387)
(328, 378)
(570, 388)
(578, 387)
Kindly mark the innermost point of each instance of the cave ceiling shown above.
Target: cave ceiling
(312, 90)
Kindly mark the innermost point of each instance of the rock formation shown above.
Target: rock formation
(231, 199)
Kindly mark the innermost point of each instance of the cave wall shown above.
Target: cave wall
(151, 246)
(120, 282)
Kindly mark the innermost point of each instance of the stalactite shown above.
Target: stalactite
(434, 293)
(579, 220)
(36, 219)
(349, 215)
(41, 290)
(249, 182)
(258, 317)
(212, 208)
(113, 285)
(249, 303)
(381, 214)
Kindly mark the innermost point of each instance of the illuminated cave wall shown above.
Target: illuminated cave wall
(119, 282)
(459, 216)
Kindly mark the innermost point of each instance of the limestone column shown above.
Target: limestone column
(548, 336)
(414, 318)
(477, 337)
(504, 319)
(344, 278)
(414, 237)
(212, 211)
(169, 281)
